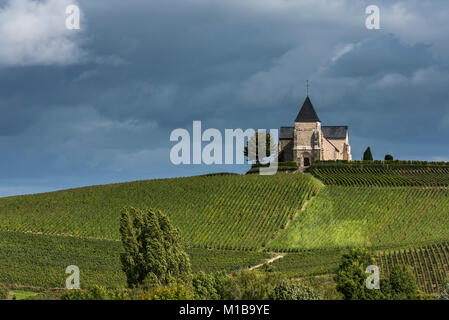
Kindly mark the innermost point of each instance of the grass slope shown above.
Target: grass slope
(369, 216)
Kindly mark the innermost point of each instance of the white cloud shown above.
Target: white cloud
(417, 21)
(34, 33)
(341, 50)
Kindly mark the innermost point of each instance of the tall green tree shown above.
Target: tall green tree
(153, 250)
(351, 276)
(270, 147)
(367, 155)
(400, 284)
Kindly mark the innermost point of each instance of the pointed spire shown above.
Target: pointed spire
(307, 112)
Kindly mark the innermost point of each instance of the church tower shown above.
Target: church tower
(307, 136)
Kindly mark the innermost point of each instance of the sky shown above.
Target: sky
(97, 105)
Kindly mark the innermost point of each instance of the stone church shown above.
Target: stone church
(308, 140)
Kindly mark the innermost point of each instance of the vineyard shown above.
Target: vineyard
(381, 175)
(379, 217)
(429, 263)
(230, 222)
(41, 260)
(308, 263)
(219, 211)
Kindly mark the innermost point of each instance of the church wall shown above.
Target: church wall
(342, 146)
(347, 152)
(286, 150)
(339, 143)
(328, 151)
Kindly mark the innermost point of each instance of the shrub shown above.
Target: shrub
(293, 291)
(400, 284)
(4, 291)
(249, 285)
(388, 157)
(175, 291)
(351, 280)
(444, 295)
(95, 293)
(208, 286)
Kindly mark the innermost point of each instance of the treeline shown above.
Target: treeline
(282, 166)
(370, 163)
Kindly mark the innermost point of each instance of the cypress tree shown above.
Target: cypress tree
(367, 156)
(153, 250)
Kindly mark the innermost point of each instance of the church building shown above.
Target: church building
(308, 140)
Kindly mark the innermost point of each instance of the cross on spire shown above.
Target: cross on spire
(307, 86)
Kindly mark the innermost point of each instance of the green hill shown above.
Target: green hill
(232, 221)
(217, 211)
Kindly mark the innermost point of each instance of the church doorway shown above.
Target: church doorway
(306, 161)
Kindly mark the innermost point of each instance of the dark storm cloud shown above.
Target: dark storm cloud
(148, 67)
(398, 97)
(382, 55)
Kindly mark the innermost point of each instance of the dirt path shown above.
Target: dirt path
(291, 219)
(267, 261)
(299, 211)
(56, 234)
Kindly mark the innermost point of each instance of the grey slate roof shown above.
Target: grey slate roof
(329, 132)
(286, 133)
(307, 113)
(334, 132)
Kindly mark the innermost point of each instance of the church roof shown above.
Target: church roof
(307, 113)
(286, 133)
(329, 132)
(334, 132)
